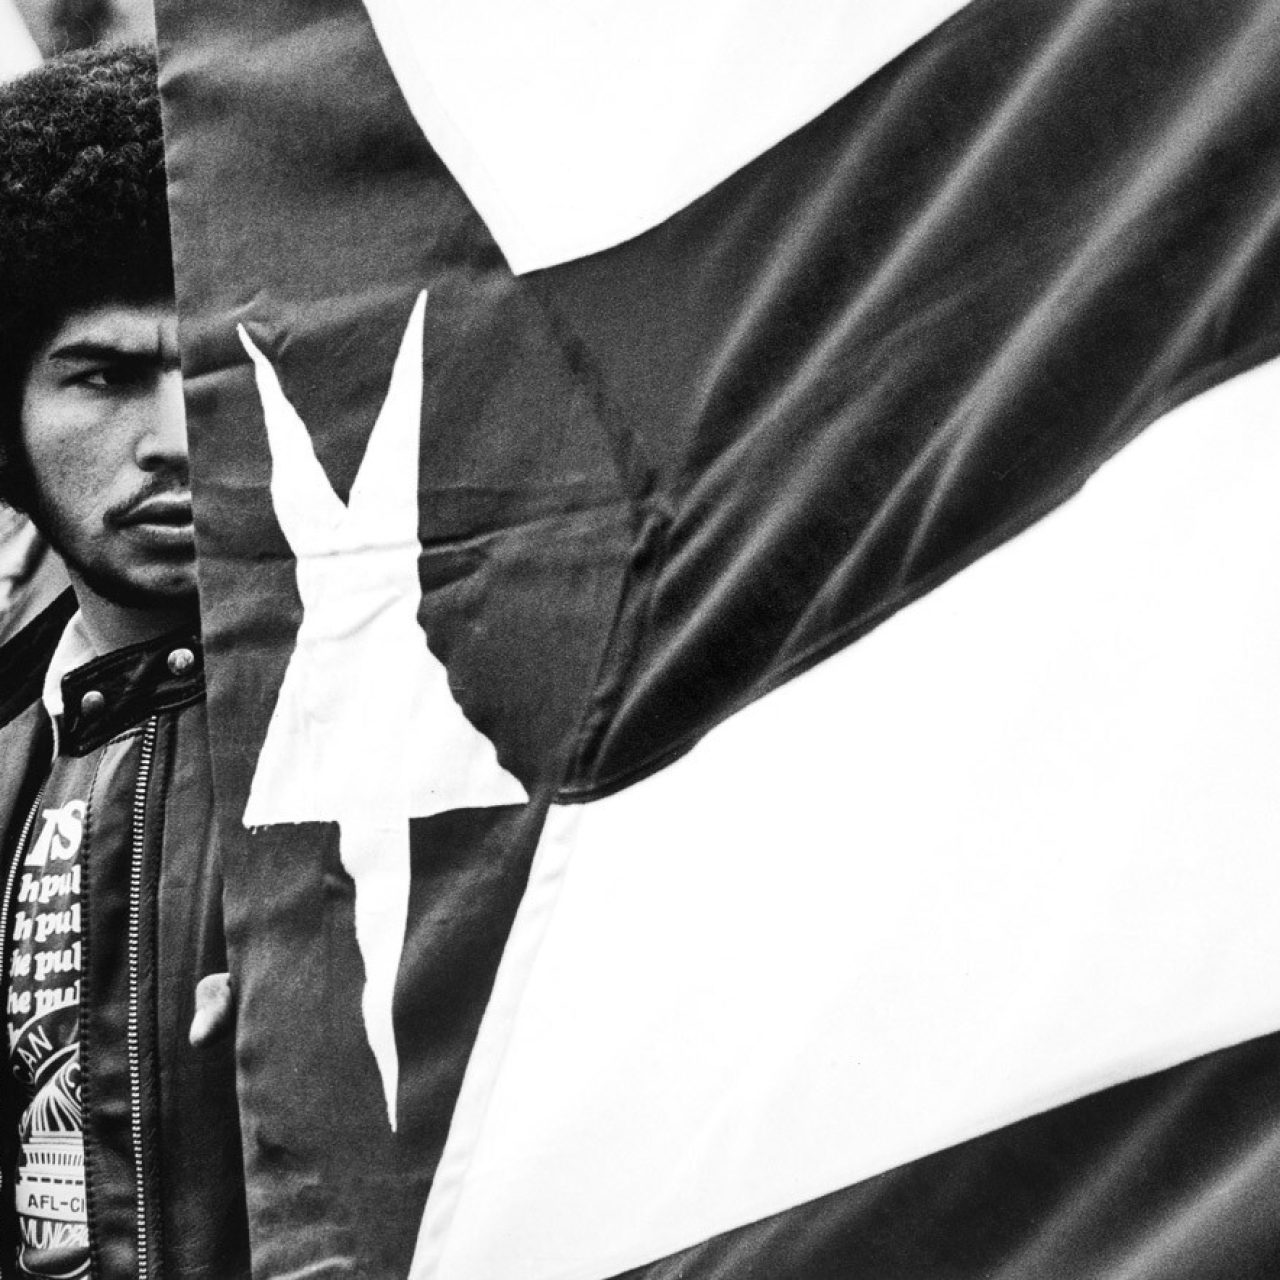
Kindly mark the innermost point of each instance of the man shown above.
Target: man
(120, 1144)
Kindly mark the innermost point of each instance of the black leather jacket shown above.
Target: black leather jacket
(152, 903)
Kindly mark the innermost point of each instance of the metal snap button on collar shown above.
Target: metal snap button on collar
(181, 661)
(92, 704)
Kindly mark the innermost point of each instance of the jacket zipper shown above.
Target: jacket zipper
(133, 1036)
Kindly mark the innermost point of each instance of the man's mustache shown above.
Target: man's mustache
(167, 493)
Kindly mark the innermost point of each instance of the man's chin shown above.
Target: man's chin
(139, 579)
(170, 591)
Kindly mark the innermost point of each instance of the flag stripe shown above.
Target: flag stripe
(1169, 1178)
(913, 328)
(626, 114)
(985, 862)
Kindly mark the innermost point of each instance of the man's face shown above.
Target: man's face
(106, 441)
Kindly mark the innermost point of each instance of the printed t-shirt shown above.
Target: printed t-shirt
(43, 1004)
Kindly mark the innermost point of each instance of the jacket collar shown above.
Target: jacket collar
(73, 650)
(119, 690)
(108, 695)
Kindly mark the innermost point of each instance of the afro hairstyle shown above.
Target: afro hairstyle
(83, 218)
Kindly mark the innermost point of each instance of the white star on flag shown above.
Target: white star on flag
(366, 731)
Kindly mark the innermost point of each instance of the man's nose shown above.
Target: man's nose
(163, 441)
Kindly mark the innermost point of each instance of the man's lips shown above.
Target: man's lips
(159, 525)
(170, 509)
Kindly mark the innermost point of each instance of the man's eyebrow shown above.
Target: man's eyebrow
(100, 351)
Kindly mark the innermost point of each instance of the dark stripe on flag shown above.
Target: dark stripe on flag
(917, 325)
(1168, 1178)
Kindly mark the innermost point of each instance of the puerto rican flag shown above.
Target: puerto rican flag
(737, 559)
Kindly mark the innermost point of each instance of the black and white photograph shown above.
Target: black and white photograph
(639, 640)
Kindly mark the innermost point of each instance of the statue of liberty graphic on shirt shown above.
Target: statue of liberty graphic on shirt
(50, 1179)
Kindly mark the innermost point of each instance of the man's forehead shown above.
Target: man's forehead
(130, 328)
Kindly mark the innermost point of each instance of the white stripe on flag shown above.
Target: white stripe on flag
(574, 126)
(1017, 845)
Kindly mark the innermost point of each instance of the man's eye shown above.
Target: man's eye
(109, 377)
